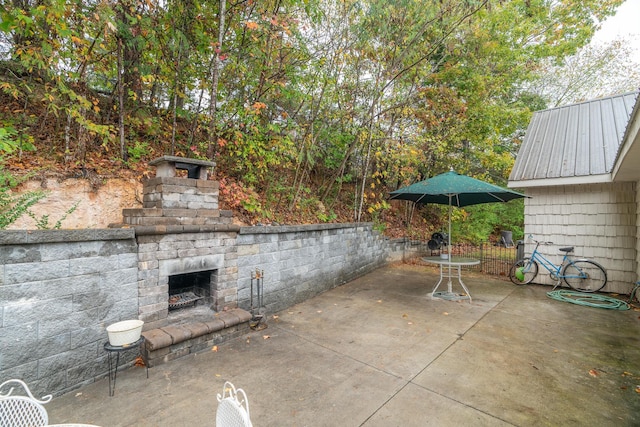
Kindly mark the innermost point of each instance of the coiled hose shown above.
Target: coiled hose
(587, 299)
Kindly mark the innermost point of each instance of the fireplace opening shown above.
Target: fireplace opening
(191, 289)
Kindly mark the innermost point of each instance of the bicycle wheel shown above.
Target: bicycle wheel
(584, 276)
(528, 272)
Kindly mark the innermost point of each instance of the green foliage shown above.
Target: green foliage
(42, 223)
(11, 141)
(236, 195)
(321, 95)
(13, 206)
(138, 150)
(327, 216)
(8, 143)
(483, 223)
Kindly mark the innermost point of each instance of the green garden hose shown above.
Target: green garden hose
(587, 299)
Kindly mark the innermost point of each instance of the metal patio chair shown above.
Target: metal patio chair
(21, 410)
(232, 410)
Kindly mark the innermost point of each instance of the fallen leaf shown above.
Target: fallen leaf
(593, 372)
(379, 301)
(218, 375)
(638, 389)
(276, 317)
(214, 348)
(445, 313)
(139, 361)
(266, 337)
(78, 394)
(404, 316)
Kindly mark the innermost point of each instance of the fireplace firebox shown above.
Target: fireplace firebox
(191, 289)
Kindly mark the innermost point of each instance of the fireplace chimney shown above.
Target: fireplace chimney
(170, 200)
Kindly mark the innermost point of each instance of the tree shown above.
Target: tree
(305, 102)
(595, 71)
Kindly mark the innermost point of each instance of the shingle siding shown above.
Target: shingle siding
(637, 230)
(598, 219)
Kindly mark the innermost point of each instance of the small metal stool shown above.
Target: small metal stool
(117, 349)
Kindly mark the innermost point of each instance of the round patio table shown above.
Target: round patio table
(71, 425)
(446, 265)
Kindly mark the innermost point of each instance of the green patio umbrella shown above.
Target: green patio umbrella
(453, 189)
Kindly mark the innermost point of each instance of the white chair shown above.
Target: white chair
(232, 411)
(19, 410)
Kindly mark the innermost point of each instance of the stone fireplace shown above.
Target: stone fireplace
(187, 256)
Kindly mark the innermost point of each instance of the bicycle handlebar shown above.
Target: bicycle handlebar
(539, 242)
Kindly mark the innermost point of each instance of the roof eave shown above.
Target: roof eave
(555, 182)
(626, 165)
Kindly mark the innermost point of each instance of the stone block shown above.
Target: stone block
(160, 307)
(83, 374)
(148, 264)
(63, 361)
(198, 329)
(208, 184)
(36, 271)
(243, 315)
(157, 339)
(37, 310)
(178, 333)
(230, 318)
(208, 213)
(117, 277)
(152, 299)
(215, 325)
(158, 353)
(155, 290)
(89, 333)
(178, 353)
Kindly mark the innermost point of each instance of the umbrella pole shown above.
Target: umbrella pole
(449, 243)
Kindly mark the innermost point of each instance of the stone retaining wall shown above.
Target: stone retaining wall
(302, 261)
(58, 292)
(59, 289)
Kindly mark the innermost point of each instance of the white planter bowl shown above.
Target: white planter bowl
(125, 332)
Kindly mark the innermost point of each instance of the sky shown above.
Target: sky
(623, 23)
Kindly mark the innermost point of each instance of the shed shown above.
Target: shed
(580, 164)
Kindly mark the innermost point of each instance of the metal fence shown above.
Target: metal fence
(495, 260)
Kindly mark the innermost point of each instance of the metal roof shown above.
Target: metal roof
(576, 143)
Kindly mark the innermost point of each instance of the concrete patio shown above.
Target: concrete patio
(379, 352)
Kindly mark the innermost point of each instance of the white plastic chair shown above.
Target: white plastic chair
(232, 411)
(17, 410)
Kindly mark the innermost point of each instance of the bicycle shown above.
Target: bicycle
(582, 275)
